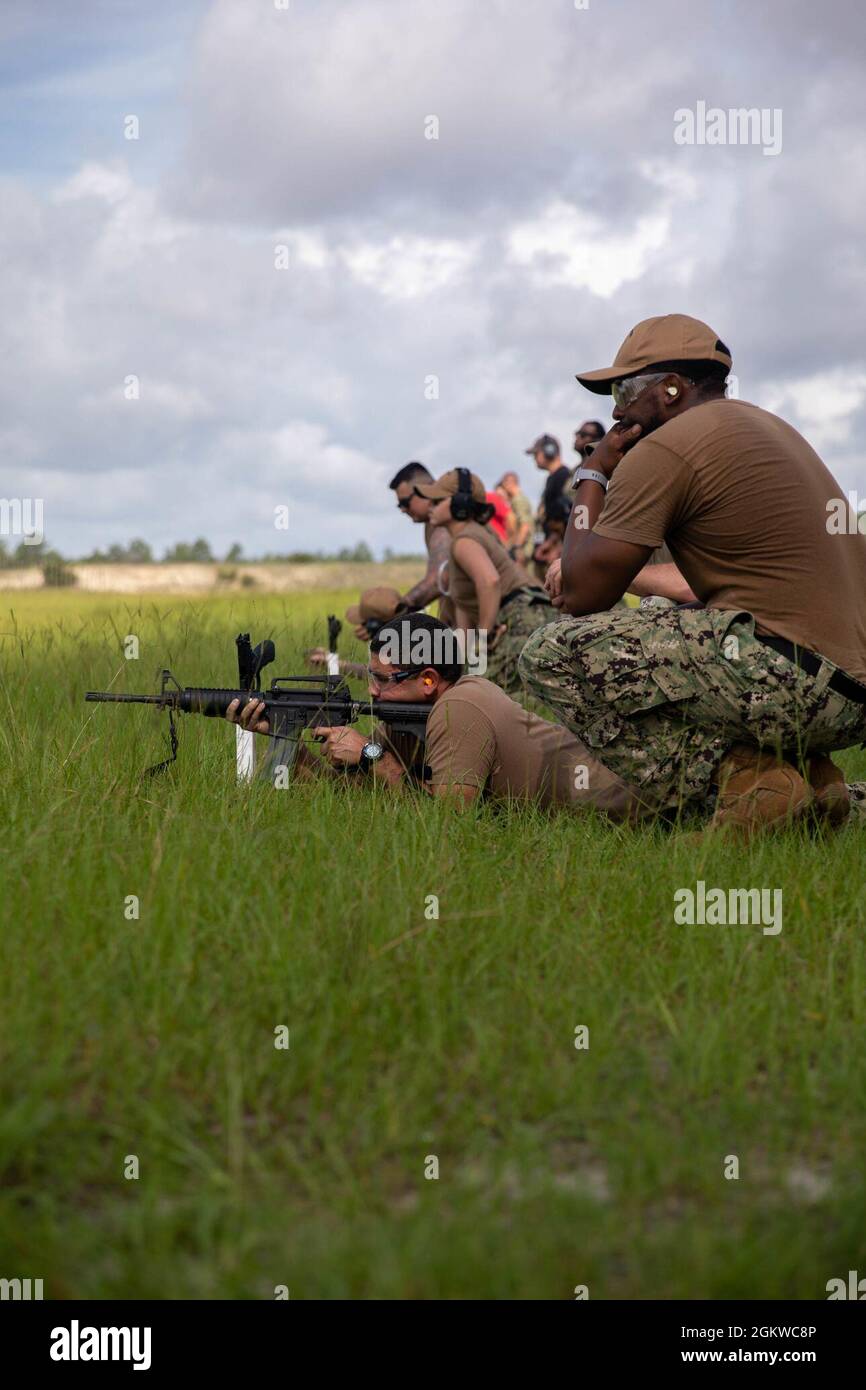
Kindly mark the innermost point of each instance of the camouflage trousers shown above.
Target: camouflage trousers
(660, 696)
(528, 610)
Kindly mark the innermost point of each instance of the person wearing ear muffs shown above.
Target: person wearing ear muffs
(489, 591)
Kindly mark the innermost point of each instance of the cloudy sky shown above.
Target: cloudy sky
(553, 211)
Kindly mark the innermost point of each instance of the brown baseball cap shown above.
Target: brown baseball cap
(381, 604)
(668, 338)
(448, 485)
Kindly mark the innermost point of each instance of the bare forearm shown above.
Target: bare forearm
(664, 581)
(424, 592)
(455, 794)
(599, 570)
(488, 606)
(586, 509)
(427, 589)
(389, 770)
(353, 668)
(462, 620)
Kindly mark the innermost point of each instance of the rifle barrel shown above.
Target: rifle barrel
(215, 701)
(104, 697)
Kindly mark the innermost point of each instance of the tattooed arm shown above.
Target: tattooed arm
(427, 589)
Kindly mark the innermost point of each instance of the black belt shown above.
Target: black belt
(811, 663)
(537, 595)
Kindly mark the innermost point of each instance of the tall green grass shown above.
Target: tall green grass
(410, 1037)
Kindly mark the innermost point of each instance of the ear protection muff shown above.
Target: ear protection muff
(550, 451)
(462, 502)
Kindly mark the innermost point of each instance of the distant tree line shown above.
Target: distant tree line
(39, 555)
(138, 552)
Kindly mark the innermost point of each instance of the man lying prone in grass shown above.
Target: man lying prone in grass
(480, 742)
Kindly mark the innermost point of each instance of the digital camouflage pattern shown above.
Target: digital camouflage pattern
(857, 794)
(522, 615)
(661, 695)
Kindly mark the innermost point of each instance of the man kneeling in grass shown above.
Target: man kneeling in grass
(480, 742)
(752, 692)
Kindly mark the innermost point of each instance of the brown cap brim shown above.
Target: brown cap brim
(432, 491)
(353, 615)
(601, 381)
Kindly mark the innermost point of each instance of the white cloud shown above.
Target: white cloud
(564, 246)
(552, 214)
(163, 398)
(824, 405)
(109, 183)
(409, 267)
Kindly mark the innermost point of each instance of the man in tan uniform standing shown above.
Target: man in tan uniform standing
(755, 689)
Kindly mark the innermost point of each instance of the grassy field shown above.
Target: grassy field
(305, 1166)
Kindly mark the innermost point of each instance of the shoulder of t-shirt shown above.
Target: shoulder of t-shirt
(476, 691)
(687, 432)
(477, 697)
(473, 532)
(469, 699)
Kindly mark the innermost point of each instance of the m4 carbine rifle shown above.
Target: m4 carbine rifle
(292, 704)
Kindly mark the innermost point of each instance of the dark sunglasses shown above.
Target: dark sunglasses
(403, 502)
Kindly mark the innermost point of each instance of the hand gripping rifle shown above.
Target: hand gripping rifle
(292, 704)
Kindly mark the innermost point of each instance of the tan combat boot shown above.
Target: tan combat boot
(758, 791)
(827, 781)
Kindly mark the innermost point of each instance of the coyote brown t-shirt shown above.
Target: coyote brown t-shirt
(477, 736)
(461, 588)
(742, 501)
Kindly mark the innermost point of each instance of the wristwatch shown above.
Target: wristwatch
(370, 755)
(591, 475)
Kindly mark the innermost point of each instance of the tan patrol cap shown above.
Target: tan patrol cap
(668, 338)
(381, 604)
(448, 485)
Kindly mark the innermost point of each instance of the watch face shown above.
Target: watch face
(373, 751)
